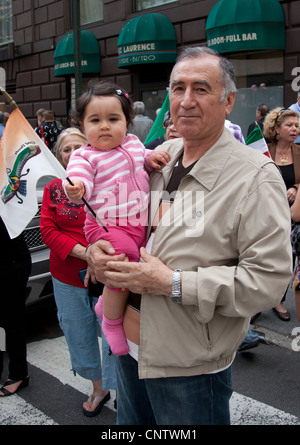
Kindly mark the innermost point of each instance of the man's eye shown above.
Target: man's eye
(177, 88)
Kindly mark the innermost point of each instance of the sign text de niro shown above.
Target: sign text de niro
(136, 53)
(146, 52)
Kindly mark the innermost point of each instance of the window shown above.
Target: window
(6, 22)
(260, 79)
(153, 100)
(91, 11)
(145, 4)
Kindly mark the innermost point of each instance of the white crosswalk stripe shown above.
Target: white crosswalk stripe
(55, 360)
(247, 411)
(52, 357)
(15, 411)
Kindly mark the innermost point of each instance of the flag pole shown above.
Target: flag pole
(13, 104)
(90, 208)
(8, 98)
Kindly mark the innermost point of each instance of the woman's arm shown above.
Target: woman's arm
(295, 209)
(51, 232)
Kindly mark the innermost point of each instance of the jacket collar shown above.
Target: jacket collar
(209, 167)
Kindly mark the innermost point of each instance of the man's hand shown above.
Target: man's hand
(97, 256)
(150, 276)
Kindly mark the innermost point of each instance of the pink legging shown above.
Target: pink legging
(121, 240)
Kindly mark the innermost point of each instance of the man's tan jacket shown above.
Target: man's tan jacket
(229, 231)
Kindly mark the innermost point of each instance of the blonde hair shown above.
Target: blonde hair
(276, 118)
(60, 140)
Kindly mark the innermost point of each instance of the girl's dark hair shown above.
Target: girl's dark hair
(103, 88)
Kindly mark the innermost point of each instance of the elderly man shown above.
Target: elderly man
(219, 227)
(141, 124)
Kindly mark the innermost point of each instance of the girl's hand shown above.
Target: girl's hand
(76, 191)
(158, 159)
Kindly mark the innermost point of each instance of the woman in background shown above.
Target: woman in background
(281, 127)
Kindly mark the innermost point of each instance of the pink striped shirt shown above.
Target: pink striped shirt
(116, 181)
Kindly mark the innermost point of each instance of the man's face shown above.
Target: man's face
(195, 99)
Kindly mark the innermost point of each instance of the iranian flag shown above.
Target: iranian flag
(257, 141)
(24, 158)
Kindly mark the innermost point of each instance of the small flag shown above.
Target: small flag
(257, 141)
(157, 128)
(24, 159)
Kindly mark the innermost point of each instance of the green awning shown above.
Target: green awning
(149, 38)
(245, 25)
(64, 54)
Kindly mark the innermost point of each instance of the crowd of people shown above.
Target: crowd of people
(48, 128)
(137, 262)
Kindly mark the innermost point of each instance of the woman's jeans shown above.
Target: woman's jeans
(79, 322)
(195, 400)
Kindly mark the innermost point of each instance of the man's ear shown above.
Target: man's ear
(230, 100)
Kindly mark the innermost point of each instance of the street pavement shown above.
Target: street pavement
(278, 332)
(265, 379)
(270, 372)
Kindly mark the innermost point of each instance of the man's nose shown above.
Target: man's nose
(188, 98)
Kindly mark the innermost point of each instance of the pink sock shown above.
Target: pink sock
(99, 307)
(115, 335)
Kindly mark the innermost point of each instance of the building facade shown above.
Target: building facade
(134, 43)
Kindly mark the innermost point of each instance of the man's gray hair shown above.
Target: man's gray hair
(228, 78)
(139, 107)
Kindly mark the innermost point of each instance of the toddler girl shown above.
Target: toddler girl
(111, 174)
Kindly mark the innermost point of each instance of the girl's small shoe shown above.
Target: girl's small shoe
(99, 307)
(115, 335)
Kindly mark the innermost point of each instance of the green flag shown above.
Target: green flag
(157, 128)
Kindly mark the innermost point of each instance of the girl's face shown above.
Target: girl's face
(104, 122)
(70, 144)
